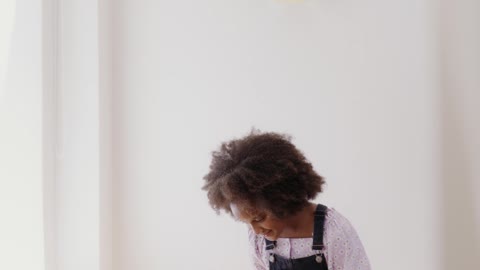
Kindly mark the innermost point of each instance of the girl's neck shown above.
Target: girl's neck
(301, 224)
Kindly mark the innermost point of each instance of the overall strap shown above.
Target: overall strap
(270, 244)
(320, 214)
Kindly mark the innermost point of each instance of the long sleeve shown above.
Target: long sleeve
(344, 250)
(257, 247)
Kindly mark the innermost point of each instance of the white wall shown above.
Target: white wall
(353, 81)
(21, 198)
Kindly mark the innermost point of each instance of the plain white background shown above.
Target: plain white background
(382, 97)
(21, 213)
(356, 83)
(349, 81)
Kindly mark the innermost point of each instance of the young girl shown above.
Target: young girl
(264, 181)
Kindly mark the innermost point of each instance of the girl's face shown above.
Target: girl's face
(261, 222)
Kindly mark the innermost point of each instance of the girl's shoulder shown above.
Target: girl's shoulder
(336, 223)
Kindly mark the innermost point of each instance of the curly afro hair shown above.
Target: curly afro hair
(263, 171)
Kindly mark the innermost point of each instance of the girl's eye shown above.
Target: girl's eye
(258, 219)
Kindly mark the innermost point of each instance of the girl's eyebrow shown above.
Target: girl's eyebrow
(258, 216)
(252, 212)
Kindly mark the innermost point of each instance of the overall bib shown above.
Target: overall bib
(314, 262)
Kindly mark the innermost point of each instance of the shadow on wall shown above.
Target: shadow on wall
(460, 107)
(460, 232)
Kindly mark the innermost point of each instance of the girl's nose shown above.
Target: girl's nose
(257, 229)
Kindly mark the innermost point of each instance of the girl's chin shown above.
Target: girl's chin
(270, 236)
